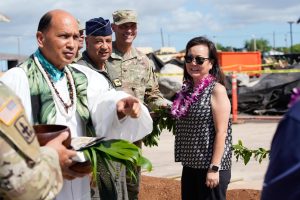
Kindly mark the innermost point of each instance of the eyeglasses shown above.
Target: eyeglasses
(199, 60)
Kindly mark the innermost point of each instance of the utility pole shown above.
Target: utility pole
(162, 37)
(254, 42)
(291, 34)
(215, 41)
(274, 40)
(19, 48)
(285, 39)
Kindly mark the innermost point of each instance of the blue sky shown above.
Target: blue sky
(229, 22)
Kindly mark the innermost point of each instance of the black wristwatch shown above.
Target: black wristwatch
(214, 168)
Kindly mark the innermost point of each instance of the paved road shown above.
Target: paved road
(253, 135)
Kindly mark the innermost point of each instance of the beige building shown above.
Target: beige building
(8, 61)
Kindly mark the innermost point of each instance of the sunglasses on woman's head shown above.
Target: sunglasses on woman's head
(199, 60)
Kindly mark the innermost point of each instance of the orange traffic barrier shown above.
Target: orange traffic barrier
(240, 61)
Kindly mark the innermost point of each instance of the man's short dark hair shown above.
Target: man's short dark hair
(44, 23)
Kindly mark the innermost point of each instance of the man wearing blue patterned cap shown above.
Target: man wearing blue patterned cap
(98, 49)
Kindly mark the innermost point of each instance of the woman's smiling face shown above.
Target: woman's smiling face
(195, 70)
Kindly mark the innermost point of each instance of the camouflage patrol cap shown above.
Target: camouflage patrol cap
(124, 16)
(80, 26)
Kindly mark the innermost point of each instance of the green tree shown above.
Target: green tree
(223, 48)
(296, 48)
(260, 44)
(286, 50)
(282, 49)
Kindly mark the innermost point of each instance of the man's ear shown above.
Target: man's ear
(86, 41)
(40, 38)
(113, 27)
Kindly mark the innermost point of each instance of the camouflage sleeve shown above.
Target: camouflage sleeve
(153, 97)
(20, 179)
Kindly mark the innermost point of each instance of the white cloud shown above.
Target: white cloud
(242, 12)
(184, 20)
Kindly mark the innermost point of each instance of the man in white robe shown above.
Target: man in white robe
(67, 89)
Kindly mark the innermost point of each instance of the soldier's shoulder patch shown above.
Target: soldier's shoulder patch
(9, 111)
(23, 127)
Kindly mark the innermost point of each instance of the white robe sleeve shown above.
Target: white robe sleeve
(17, 81)
(107, 124)
(102, 105)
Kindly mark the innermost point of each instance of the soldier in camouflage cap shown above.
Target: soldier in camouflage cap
(134, 69)
(26, 170)
(124, 16)
(135, 72)
(81, 41)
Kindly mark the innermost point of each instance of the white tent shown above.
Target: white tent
(273, 52)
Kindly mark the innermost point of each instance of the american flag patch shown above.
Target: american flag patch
(9, 112)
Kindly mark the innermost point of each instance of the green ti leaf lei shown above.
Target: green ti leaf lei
(119, 151)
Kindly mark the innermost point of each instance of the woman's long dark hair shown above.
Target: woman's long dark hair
(216, 71)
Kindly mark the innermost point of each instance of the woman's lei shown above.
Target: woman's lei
(184, 99)
(295, 96)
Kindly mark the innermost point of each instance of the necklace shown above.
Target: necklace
(295, 96)
(66, 106)
(184, 99)
(66, 109)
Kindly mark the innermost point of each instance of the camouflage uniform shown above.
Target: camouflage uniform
(27, 171)
(135, 71)
(135, 74)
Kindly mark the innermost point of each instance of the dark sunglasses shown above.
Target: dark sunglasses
(199, 60)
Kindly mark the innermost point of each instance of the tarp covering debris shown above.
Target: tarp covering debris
(270, 96)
